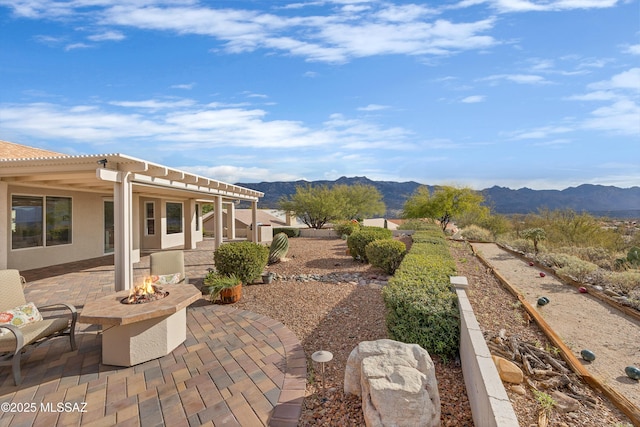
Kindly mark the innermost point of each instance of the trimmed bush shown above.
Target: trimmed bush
(359, 240)
(421, 308)
(289, 231)
(386, 254)
(245, 260)
(346, 228)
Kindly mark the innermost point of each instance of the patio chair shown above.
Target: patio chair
(13, 339)
(167, 263)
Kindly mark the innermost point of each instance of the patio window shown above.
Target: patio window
(149, 218)
(38, 221)
(174, 218)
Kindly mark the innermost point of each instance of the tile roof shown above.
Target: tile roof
(11, 150)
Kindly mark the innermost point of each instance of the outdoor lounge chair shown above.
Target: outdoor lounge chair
(168, 262)
(14, 339)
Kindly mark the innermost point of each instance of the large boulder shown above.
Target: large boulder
(397, 383)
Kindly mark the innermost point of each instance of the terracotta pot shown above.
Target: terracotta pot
(231, 295)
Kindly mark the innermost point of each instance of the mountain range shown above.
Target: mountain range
(598, 200)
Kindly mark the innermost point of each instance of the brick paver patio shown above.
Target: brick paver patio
(236, 368)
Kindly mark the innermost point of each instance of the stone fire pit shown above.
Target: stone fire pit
(136, 333)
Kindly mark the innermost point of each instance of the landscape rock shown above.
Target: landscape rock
(508, 370)
(564, 403)
(397, 384)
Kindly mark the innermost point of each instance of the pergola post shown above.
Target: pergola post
(218, 221)
(122, 208)
(231, 221)
(5, 232)
(254, 221)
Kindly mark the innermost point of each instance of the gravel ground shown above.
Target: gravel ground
(332, 303)
(336, 315)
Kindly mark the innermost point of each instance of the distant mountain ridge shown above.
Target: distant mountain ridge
(598, 200)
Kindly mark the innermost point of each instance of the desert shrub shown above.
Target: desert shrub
(474, 232)
(289, 231)
(359, 240)
(421, 308)
(556, 260)
(346, 228)
(386, 254)
(419, 224)
(577, 269)
(598, 256)
(623, 281)
(245, 260)
(520, 245)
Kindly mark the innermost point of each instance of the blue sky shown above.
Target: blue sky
(542, 94)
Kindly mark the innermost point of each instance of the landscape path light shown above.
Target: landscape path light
(322, 357)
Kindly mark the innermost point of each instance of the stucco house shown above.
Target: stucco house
(243, 223)
(56, 208)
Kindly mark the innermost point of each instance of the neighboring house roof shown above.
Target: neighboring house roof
(244, 216)
(11, 150)
(380, 222)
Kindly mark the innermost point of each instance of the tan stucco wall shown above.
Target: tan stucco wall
(87, 229)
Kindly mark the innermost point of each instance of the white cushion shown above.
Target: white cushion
(166, 279)
(20, 316)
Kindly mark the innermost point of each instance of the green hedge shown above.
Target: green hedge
(289, 231)
(386, 254)
(421, 308)
(245, 260)
(358, 241)
(346, 228)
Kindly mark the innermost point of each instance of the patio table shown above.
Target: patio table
(136, 333)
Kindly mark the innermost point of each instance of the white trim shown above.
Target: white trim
(146, 218)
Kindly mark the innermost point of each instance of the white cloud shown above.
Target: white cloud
(154, 104)
(107, 36)
(510, 6)
(74, 46)
(541, 132)
(359, 29)
(517, 78)
(621, 117)
(473, 99)
(189, 126)
(626, 80)
(373, 107)
(186, 86)
(633, 49)
(228, 173)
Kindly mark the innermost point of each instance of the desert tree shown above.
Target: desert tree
(444, 204)
(317, 205)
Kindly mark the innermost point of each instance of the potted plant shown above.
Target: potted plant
(227, 287)
(208, 281)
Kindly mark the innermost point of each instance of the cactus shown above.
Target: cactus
(279, 248)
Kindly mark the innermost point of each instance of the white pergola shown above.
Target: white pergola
(120, 176)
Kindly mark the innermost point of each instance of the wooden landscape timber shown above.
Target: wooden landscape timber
(626, 406)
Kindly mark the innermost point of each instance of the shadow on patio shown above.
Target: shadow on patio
(235, 367)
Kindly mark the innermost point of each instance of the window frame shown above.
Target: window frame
(45, 239)
(168, 229)
(147, 219)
